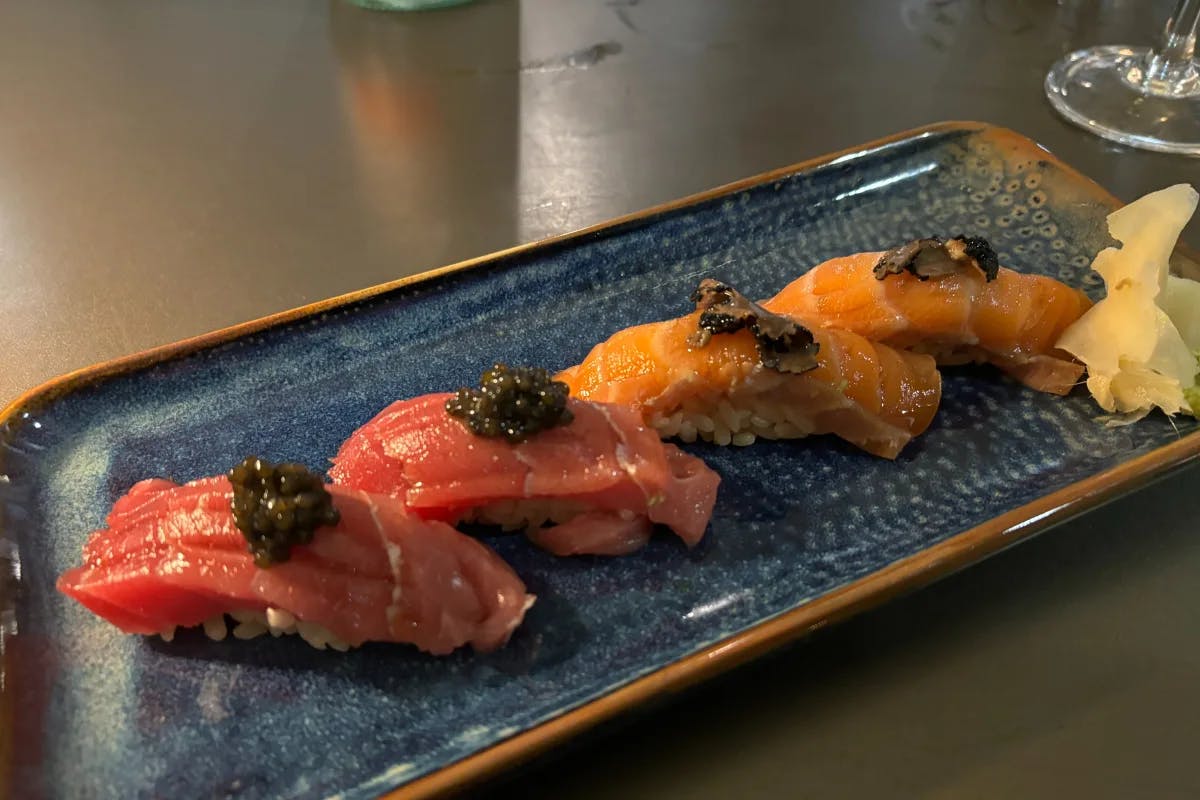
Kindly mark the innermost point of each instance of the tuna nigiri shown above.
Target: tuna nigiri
(173, 556)
(600, 476)
(948, 298)
(731, 372)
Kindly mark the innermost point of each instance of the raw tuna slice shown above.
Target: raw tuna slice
(604, 478)
(172, 556)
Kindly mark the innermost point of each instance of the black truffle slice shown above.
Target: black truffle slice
(784, 345)
(931, 257)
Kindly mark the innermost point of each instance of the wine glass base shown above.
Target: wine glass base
(1106, 91)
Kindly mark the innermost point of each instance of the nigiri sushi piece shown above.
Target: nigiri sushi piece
(731, 372)
(173, 556)
(596, 483)
(951, 299)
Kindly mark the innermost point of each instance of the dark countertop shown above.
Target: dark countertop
(168, 169)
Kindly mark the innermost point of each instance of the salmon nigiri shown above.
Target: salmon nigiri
(731, 372)
(951, 299)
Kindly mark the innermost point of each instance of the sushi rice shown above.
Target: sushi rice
(513, 515)
(756, 406)
(275, 621)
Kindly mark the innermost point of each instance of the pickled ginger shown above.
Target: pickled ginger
(1140, 342)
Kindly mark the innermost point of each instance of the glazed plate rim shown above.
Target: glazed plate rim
(907, 574)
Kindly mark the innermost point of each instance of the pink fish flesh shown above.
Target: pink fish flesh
(171, 555)
(605, 477)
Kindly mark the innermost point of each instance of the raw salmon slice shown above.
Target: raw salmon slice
(1012, 321)
(866, 393)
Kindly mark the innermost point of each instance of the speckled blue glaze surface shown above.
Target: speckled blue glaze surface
(102, 714)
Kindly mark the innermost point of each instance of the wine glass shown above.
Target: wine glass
(1137, 96)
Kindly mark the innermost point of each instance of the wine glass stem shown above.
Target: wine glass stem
(1179, 39)
(1170, 71)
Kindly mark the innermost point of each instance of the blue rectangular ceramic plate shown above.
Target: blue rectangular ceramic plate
(804, 532)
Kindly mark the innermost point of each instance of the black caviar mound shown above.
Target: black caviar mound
(278, 506)
(512, 402)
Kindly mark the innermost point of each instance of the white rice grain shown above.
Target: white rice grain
(214, 628)
(250, 624)
(727, 415)
(315, 635)
(786, 430)
(278, 618)
(248, 630)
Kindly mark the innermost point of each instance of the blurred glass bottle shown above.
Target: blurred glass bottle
(431, 107)
(407, 5)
